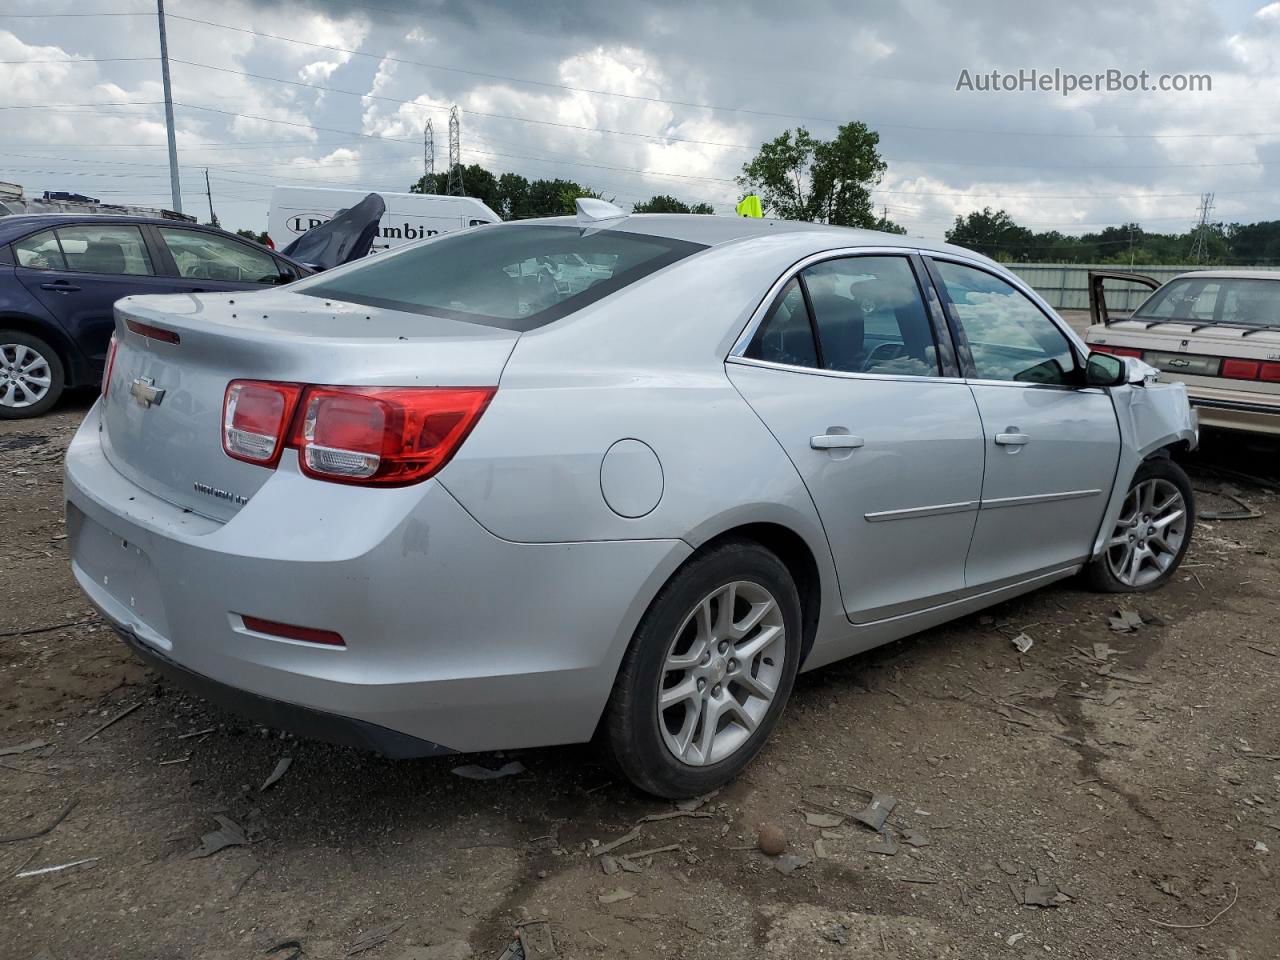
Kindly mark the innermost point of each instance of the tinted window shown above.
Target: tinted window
(870, 317)
(40, 251)
(1009, 338)
(515, 277)
(785, 336)
(207, 256)
(105, 248)
(1208, 300)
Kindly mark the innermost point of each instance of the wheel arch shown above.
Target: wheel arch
(72, 368)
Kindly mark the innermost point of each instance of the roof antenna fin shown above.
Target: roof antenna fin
(591, 210)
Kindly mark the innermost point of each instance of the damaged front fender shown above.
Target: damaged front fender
(1152, 417)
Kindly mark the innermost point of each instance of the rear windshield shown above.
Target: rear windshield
(1225, 300)
(514, 277)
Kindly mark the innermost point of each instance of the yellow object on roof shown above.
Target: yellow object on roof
(750, 207)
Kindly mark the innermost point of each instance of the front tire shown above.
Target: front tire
(31, 376)
(1152, 533)
(707, 674)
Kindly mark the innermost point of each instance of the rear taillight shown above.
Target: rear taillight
(385, 436)
(111, 362)
(1116, 351)
(1270, 372)
(1241, 369)
(380, 436)
(255, 419)
(152, 332)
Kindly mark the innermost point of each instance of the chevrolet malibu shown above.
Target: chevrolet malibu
(452, 499)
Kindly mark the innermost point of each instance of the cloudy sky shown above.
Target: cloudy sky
(637, 98)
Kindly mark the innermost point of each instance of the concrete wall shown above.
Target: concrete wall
(1066, 285)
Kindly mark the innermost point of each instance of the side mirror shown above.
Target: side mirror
(1105, 370)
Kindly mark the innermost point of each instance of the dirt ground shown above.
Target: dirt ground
(1131, 780)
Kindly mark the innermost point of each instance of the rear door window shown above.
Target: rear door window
(106, 248)
(516, 277)
(207, 256)
(39, 251)
(785, 335)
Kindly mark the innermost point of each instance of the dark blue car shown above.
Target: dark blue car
(60, 274)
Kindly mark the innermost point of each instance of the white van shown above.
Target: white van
(409, 216)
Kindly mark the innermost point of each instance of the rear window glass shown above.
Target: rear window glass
(513, 277)
(1247, 302)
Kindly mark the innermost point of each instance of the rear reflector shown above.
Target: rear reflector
(111, 362)
(1116, 351)
(383, 436)
(1241, 369)
(152, 333)
(291, 632)
(255, 419)
(1270, 372)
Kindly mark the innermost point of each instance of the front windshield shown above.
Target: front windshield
(516, 277)
(1226, 300)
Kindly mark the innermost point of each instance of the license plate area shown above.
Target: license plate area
(120, 568)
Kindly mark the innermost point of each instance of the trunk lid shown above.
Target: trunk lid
(162, 417)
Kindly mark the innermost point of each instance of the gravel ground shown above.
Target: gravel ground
(1130, 780)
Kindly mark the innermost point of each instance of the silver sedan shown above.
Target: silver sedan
(612, 477)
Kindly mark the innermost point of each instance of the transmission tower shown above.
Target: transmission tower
(428, 158)
(455, 187)
(1200, 249)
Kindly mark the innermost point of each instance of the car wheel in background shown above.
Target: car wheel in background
(31, 376)
(707, 674)
(1152, 533)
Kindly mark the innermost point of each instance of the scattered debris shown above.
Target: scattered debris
(1013, 938)
(1260, 847)
(1244, 511)
(294, 945)
(616, 895)
(835, 933)
(1235, 895)
(375, 938)
(116, 719)
(1101, 651)
(473, 771)
(1038, 895)
(771, 839)
(14, 837)
(23, 747)
(789, 863)
(61, 866)
(1010, 868)
(877, 811)
(1126, 621)
(823, 819)
(614, 844)
(884, 844)
(920, 879)
(915, 838)
(201, 733)
(820, 850)
(609, 864)
(536, 940)
(654, 850)
(693, 803)
(1023, 642)
(229, 834)
(281, 769)
(673, 814)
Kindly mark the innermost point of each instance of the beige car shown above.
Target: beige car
(1217, 331)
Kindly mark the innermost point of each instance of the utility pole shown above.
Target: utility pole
(428, 158)
(174, 186)
(1200, 249)
(213, 217)
(455, 187)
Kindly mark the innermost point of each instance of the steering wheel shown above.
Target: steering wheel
(883, 354)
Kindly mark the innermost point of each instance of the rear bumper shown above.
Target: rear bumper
(453, 636)
(303, 721)
(1232, 414)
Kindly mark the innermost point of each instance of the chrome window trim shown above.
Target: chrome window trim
(841, 374)
(839, 253)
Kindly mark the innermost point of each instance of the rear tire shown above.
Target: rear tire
(720, 644)
(31, 376)
(1152, 533)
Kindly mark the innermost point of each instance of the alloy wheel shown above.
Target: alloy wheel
(25, 375)
(1149, 532)
(721, 673)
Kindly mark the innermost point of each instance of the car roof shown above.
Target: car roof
(715, 230)
(1230, 275)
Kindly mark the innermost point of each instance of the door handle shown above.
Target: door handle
(61, 286)
(1012, 439)
(835, 441)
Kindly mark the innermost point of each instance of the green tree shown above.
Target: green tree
(254, 235)
(993, 233)
(668, 204)
(800, 177)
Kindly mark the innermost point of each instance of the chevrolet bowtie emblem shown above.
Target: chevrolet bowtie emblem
(144, 390)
